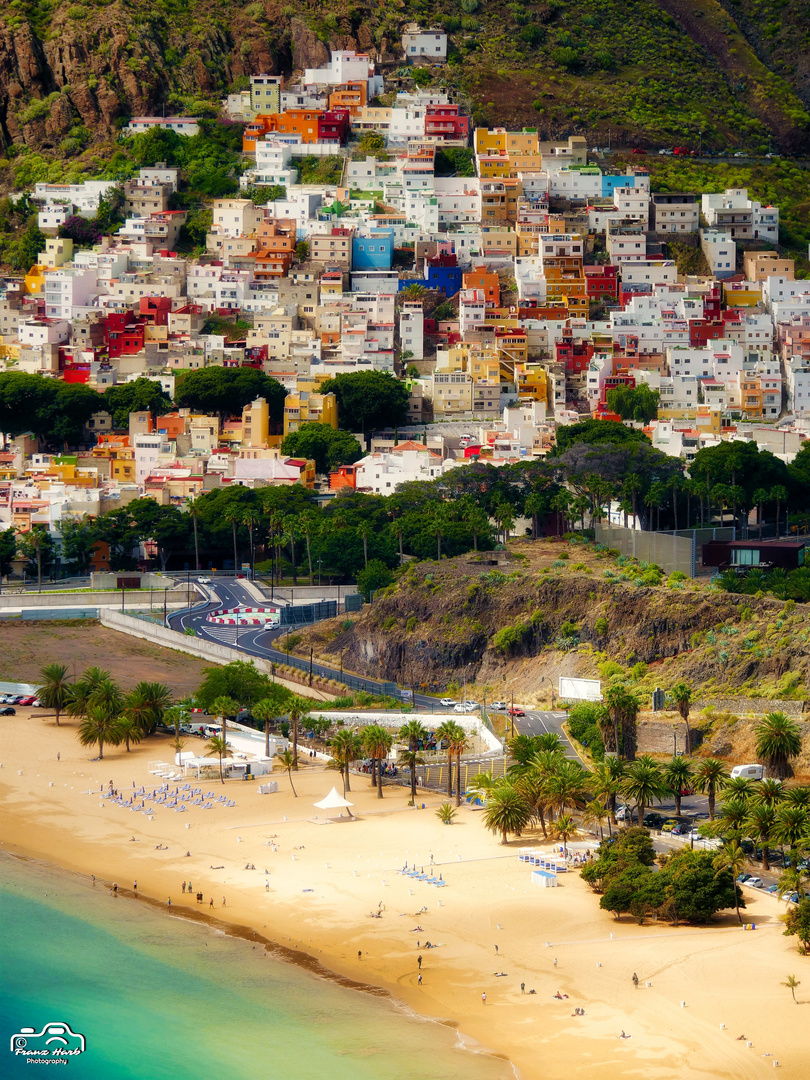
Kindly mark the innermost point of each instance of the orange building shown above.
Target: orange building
(275, 248)
(487, 281)
(345, 477)
(352, 96)
(303, 122)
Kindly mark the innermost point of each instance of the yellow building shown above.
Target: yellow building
(742, 294)
(532, 382)
(501, 141)
(305, 407)
(256, 423)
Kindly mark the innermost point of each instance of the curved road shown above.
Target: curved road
(256, 641)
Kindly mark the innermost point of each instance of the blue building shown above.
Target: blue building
(445, 278)
(374, 250)
(610, 181)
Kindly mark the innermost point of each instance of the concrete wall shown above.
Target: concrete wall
(132, 598)
(656, 737)
(161, 635)
(756, 706)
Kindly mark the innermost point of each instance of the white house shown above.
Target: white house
(180, 125)
(720, 252)
(234, 217)
(418, 43)
(412, 329)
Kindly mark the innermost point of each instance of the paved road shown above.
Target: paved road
(546, 723)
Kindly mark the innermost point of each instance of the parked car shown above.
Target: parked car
(624, 813)
(654, 821)
(203, 580)
(447, 702)
(516, 711)
(37, 704)
(772, 889)
(681, 151)
(8, 711)
(498, 705)
(27, 700)
(668, 153)
(754, 882)
(465, 707)
(740, 154)
(639, 151)
(669, 825)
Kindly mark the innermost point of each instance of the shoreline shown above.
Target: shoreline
(311, 908)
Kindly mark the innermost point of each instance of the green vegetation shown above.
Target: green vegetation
(327, 447)
(320, 170)
(368, 399)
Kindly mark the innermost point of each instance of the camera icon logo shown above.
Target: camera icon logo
(54, 1041)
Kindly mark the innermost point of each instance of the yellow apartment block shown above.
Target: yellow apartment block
(532, 382)
(304, 407)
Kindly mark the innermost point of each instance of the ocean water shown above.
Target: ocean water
(157, 997)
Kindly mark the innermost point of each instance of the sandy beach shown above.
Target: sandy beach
(324, 881)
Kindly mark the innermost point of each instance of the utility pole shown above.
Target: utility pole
(310, 665)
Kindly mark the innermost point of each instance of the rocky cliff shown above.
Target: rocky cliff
(655, 69)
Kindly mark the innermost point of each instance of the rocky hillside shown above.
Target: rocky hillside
(648, 70)
(553, 608)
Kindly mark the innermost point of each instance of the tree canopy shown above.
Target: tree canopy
(226, 391)
(368, 400)
(327, 447)
(137, 396)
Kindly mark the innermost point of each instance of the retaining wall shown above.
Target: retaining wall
(756, 706)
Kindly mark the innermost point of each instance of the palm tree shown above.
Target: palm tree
(233, 514)
(682, 696)
(147, 704)
(710, 777)
(192, 506)
(623, 708)
(446, 732)
(224, 707)
(382, 748)
(799, 795)
(793, 880)
(218, 746)
(595, 813)
(365, 532)
(778, 740)
(291, 528)
(505, 520)
(770, 791)
(507, 810)
(54, 692)
(760, 826)
(269, 708)
(415, 732)
(779, 495)
(760, 496)
(458, 744)
(791, 984)
(677, 775)
(100, 727)
(288, 761)
(129, 730)
(299, 712)
(482, 783)
(605, 782)
(567, 786)
(250, 519)
(737, 787)
(644, 784)
(309, 523)
(346, 747)
(564, 828)
(731, 859)
(734, 817)
(792, 827)
(369, 740)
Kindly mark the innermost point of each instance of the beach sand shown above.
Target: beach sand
(325, 880)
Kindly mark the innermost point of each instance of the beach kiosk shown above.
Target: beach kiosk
(335, 804)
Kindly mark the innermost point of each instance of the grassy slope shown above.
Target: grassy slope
(659, 70)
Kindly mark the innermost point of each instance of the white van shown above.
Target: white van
(748, 772)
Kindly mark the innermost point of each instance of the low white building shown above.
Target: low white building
(720, 252)
(180, 125)
(383, 473)
(428, 44)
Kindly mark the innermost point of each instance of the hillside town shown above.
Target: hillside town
(511, 285)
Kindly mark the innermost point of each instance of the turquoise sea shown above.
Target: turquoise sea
(157, 996)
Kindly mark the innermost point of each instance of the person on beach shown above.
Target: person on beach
(496, 950)
(134, 886)
(223, 901)
(58, 756)
(554, 961)
(189, 886)
(184, 888)
(419, 961)
(169, 902)
(359, 954)
(523, 988)
(483, 999)
(419, 979)
(211, 904)
(635, 980)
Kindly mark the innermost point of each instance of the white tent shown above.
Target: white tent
(335, 801)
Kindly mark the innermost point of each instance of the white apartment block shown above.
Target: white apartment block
(180, 125)
(763, 221)
(412, 329)
(798, 381)
(234, 217)
(430, 44)
(343, 67)
(650, 272)
(720, 252)
(777, 287)
(472, 310)
(67, 290)
(84, 197)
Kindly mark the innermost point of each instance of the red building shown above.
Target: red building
(333, 126)
(446, 122)
(123, 334)
(602, 283)
(155, 310)
(576, 355)
(702, 331)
